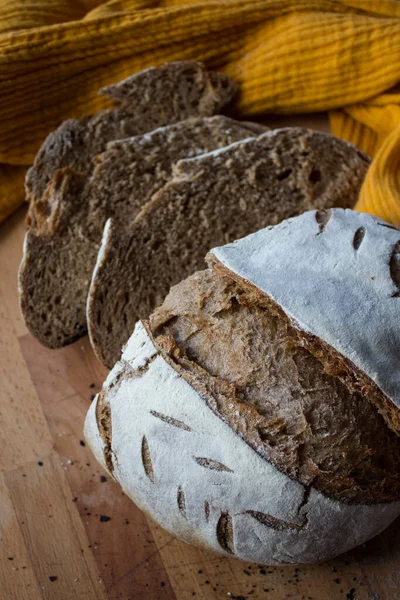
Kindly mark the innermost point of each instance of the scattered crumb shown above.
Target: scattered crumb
(92, 385)
(103, 479)
(104, 519)
(40, 463)
(53, 578)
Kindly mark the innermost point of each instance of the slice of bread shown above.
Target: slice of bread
(152, 98)
(60, 251)
(212, 199)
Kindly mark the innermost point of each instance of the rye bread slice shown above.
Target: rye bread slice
(212, 199)
(150, 99)
(60, 251)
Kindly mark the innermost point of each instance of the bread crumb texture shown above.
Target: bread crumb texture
(212, 199)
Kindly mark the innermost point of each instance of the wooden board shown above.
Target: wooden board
(55, 545)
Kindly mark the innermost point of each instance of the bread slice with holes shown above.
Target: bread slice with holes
(257, 412)
(212, 199)
(60, 251)
(152, 98)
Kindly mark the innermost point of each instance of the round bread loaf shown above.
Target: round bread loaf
(257, 411)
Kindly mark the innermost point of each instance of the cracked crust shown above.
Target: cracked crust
(278, 438)
(340, 293)
(103, 420)
(280, 392)
(251, 510)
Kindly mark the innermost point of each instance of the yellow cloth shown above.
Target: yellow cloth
(287, 55)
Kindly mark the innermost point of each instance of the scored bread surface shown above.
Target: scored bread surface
(255, 371)
(60, 252)
(212, 199)
(341, 284)
(198, 479)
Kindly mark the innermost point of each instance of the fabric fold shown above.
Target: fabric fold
(288, 57)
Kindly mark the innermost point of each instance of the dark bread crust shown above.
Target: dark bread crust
(212, 200)
(267, 382)
(147, 100)
(61, 250)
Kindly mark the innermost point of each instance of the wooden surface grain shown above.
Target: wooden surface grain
(68, 532)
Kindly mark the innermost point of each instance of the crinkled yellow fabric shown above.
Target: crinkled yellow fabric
(287, 55)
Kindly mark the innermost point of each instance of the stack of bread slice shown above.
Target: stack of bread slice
(126, 203)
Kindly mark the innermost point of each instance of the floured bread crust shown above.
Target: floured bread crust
(255, 372)
(224, 495)
(235, 426)
(340, 289)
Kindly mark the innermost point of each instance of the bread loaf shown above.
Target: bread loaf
(212, 199)
(60, 251)
(256, 413)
